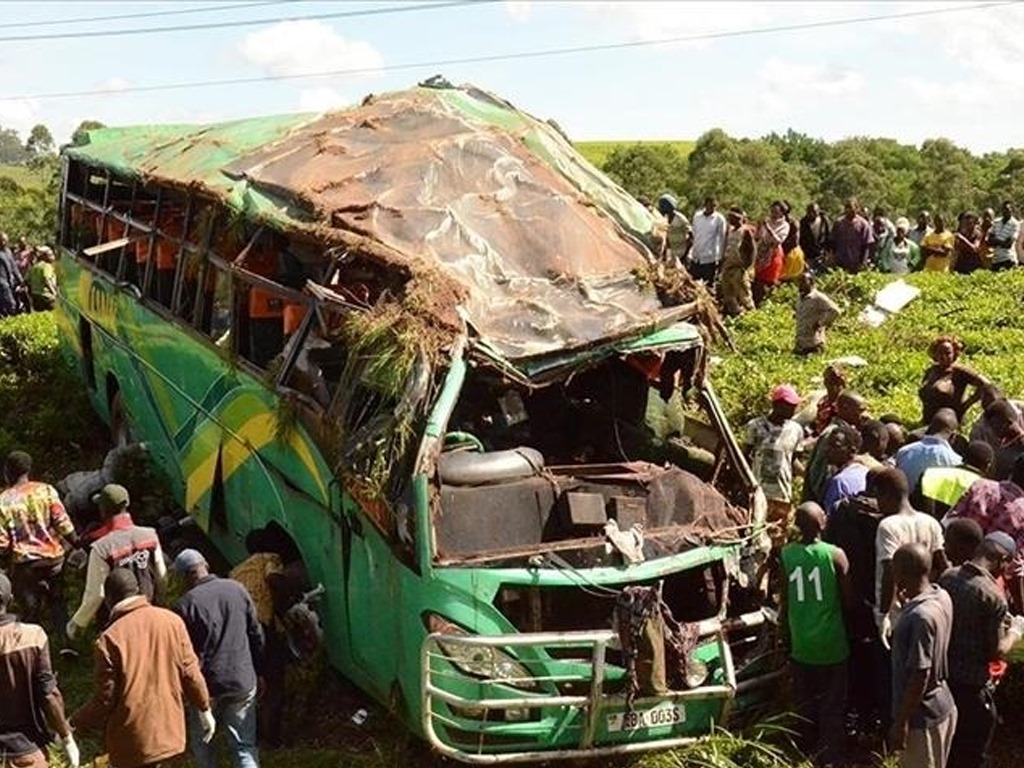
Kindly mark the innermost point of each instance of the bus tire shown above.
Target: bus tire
(120, 431)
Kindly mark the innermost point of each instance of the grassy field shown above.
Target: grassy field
(597, 151)
(983, 310)
(22, 176)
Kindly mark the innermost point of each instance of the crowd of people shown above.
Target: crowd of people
(743, 259)
(166, 678)
(28, 280)
(901, 588)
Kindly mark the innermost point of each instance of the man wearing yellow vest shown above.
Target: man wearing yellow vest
(811, 611)
(942, 487)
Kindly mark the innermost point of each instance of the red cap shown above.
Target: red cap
(785, 393)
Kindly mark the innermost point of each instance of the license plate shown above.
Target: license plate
(658, 716)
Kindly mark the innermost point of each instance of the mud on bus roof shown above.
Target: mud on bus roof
(489, 211)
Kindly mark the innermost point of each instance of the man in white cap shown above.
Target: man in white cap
(226, 635)
(679, 236)
(29, 696)
(983, 631)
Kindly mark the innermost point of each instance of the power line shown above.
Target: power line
(392, 9)
(486, 58)
(145, 15)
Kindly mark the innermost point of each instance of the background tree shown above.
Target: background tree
(946, 182)
(40, 141)
(747, 172)
(12, 151)
(647, 170)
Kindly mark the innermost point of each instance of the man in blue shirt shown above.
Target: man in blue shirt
(226, 635)
(932, 450)
(843, 444)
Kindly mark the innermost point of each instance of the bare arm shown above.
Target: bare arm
(842, 566)
(888, 591)
(53, 710)
(905, 708)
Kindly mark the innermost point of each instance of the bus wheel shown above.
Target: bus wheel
(119, 429)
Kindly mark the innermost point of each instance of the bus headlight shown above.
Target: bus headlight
(481, 661)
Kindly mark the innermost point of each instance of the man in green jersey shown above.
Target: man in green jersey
(817, 588)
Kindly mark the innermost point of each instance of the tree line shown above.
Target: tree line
(938, 176)
(30, 181)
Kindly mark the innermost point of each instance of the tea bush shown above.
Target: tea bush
(983, 310)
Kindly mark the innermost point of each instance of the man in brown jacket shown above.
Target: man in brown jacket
(145, 671)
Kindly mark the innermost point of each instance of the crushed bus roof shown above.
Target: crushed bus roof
(481, 204)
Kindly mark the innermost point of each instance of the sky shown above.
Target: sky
(953, 73)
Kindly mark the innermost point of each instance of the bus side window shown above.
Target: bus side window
(215, 316)
(187, 294)
(136, 256)
(165, 254)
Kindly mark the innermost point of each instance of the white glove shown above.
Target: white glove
(71, 629)
(208, 724)
(884, 623)
(71, 750)
(1016, 627)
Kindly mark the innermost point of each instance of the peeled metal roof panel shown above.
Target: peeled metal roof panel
(453, 179)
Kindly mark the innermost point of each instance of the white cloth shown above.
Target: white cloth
(903, 528)
(708, 237)
(1002, 230)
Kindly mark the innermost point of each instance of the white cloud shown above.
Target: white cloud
(19, 114)
(652, 20)
(321, 99)
(987, 47)
(519, 10)
(781, 83)
(307, 46)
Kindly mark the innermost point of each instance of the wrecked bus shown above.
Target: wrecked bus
(423, 339)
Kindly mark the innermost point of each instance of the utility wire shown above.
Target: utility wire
(145, 15)
(515, 56)
(391, 9)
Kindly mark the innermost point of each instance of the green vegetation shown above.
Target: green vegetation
(983, 310)
(597, 152)
(22, 175)
(46, 409)
(938, 175)
(28, 199)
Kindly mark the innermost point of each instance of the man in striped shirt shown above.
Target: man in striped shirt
(34, 528)
(1003, 238)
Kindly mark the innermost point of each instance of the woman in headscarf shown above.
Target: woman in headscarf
(773, 232)
(900, 254)
(945, 382)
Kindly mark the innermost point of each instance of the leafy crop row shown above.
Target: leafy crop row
(983, 310)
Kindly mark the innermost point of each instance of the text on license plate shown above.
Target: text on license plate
(653, 717)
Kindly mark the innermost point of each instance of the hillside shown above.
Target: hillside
(22, 176)
(597, 151)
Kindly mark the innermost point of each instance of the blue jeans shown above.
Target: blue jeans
(236, 720)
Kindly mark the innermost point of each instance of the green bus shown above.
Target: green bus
(415, 338)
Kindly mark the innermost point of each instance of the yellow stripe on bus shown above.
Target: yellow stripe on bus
(237, 448)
